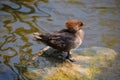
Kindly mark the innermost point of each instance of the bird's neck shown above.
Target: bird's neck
(80, 34)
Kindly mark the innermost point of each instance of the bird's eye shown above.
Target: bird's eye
(80, 24)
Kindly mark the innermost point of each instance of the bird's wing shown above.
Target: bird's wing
(60, 40)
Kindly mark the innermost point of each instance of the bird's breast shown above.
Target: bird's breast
(77, 42)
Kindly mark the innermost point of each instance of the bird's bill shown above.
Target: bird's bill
(84, 27)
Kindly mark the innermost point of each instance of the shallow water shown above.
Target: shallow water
(19, 19)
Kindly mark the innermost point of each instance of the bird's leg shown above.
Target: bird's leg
(69, 56)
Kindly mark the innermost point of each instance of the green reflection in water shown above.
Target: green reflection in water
(102, 7)
(109, 40)
(75, 2)
(16, 41)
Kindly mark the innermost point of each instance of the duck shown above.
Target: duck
(65, 39)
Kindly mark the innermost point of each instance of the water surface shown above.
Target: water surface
(19, 19)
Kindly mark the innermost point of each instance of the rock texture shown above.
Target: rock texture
(95, 63)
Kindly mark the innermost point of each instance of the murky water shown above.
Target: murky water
(19, 19)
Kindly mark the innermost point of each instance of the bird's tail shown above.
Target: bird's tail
(36, 36)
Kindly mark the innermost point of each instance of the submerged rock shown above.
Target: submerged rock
(95, 63)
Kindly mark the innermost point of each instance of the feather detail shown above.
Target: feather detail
(36, 36)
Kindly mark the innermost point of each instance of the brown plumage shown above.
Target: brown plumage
(65, 39)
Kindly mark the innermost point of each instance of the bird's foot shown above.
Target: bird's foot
(68, 57)
(71, 60)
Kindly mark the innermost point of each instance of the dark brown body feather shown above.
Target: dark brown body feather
(63, 40)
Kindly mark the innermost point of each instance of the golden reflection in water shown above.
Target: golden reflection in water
(15, 42)
(21, 30)
(109, 39)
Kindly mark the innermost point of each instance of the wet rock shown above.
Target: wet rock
(95, 63)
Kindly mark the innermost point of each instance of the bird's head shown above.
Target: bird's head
(74, 25)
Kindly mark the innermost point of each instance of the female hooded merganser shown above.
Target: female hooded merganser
(65, 39)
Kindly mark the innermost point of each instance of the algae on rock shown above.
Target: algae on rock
(95, 63)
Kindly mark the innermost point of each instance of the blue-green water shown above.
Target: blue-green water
(19, 19)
